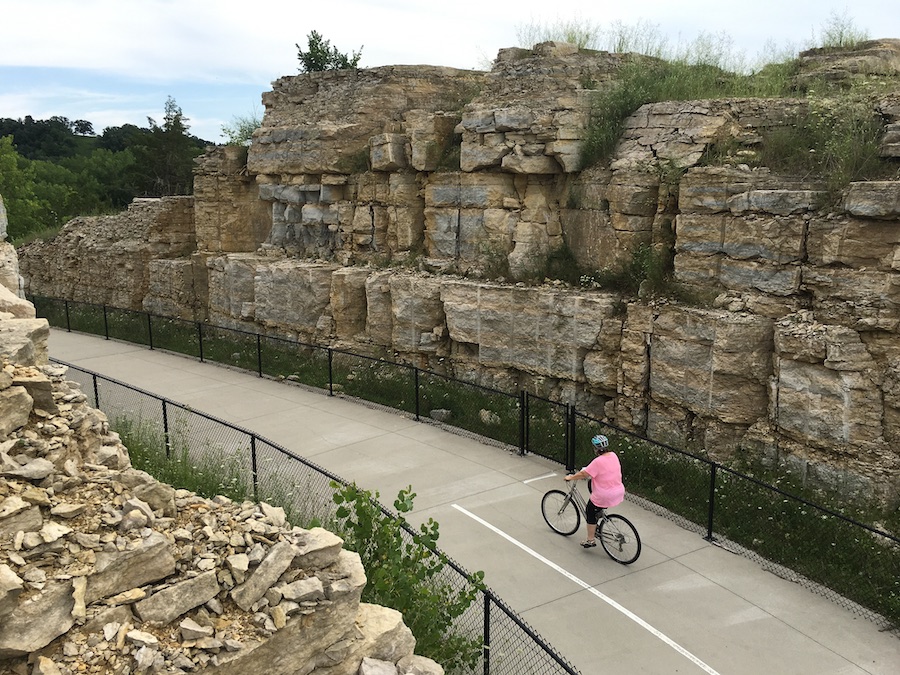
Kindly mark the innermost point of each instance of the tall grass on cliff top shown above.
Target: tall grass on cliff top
(836, 141)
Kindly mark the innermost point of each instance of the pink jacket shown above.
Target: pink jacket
(607, 488)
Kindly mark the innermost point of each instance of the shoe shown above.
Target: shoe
(588, 543)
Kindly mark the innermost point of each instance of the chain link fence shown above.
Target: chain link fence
(852, 563)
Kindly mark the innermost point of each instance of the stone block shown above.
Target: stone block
(406, 228)
(473, 155)
(530, 164)
(853, 242)
(469, 191)
(379, 318)
(824, 407)
(873, 199)
(388, 152)
(348, 301)
(416, 310)
(441, 232)
(748, 275)
(292, 294)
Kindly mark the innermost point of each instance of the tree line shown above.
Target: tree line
(53, 170)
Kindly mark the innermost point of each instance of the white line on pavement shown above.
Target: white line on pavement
(612, 603)
(547, 475)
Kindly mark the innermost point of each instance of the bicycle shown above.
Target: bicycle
(618, 537)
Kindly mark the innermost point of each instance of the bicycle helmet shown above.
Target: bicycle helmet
(600, 442)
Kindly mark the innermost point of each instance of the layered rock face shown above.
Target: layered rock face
(405, 202)
(107, 259)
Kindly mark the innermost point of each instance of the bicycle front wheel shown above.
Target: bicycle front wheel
(620, 539)
(560, 512)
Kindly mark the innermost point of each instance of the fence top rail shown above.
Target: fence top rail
(547, 400)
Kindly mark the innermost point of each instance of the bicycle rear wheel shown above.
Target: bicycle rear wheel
(619, 539)
(560, 512)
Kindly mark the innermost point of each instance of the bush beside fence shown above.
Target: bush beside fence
(848, 561)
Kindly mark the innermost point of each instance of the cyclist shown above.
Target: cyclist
(607, 489)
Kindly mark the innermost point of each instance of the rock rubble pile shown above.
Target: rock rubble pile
(103, 569)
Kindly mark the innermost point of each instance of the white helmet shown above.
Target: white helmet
(600, 442)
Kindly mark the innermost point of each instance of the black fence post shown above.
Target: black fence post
(416, 384)
(168, 439)
(522, 447)
(486, 648)
(712, 500)
(259, 354)
(330, 372)
(570, 436)
(253, 467)
(105, 324)
(150, 330)
(200, 339)
(68, 322)
(96, 391)
(527, 416)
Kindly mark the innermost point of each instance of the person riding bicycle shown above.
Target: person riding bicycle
(607, 489)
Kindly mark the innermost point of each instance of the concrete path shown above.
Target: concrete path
(685, 606)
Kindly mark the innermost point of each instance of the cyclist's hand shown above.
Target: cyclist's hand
(571, 476)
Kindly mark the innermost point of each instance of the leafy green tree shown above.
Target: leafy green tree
(165, 157)
(240, 130)
(121, 138)
(405, 572)
(320, 55)
(107, 175)
(83, 127)
(40, 139)
(23, 208)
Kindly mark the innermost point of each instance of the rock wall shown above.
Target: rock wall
(404, 204)
(107, 259)
(105, 569)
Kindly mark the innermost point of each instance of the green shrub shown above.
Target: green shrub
(648, 271)
(405, 572)
(834, 138)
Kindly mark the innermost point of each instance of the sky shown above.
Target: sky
(115, 62)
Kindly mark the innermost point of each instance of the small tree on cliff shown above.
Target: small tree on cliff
(320, 55)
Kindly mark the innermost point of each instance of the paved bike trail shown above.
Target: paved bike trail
(685, 606)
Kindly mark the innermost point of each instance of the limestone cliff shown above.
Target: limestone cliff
(392, 210)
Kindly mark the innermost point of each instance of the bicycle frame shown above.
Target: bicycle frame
(576, 496)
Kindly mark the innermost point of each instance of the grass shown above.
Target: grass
(835, 138)
(180, 465)
(45, 234)
(645, 81)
